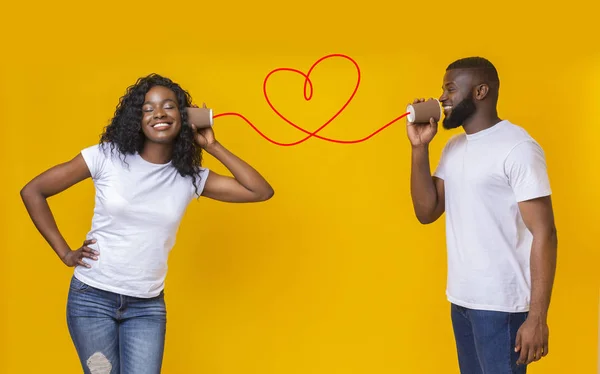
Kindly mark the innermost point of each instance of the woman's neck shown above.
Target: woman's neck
(157, 153)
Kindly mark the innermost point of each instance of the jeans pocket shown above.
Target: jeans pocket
(78, 286)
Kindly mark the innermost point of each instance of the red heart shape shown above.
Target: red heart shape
(308, 82)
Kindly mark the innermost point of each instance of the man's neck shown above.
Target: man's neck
(480, 122)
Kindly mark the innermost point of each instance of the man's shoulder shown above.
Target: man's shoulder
(516, 131)
(514, 145)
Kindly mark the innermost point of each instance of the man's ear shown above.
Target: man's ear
(481, 91)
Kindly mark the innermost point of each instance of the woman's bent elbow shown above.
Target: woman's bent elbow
(26, 191)
(267, 195)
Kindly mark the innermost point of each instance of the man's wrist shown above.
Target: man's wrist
(539, 315)
(420, 151)
(420, 147)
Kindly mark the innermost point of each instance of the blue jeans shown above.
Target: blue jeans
(115, 334)
(485, 341)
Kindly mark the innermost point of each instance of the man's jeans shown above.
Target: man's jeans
(485, 341)
(114, 333)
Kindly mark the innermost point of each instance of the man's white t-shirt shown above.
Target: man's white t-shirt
(138, 208)
(486, 175)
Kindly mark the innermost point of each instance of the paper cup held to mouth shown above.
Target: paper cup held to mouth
(420, 113)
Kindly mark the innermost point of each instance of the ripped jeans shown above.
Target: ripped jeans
(114, 333)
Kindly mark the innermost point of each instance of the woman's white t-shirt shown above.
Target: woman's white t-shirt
(138, 208)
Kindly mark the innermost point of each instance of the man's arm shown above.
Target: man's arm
(538, 216)
(532, 338)
(427, 192)
(528, 177)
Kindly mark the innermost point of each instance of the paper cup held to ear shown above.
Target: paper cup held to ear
(421, 112)
(200, 117)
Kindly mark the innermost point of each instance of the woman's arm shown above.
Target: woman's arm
(49, 183)
(246, 185)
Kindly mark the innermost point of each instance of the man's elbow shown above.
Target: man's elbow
(548, 235)
(427, 216)
(425, 219)
(553, 235)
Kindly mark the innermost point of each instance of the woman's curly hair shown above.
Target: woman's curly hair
(124, 132)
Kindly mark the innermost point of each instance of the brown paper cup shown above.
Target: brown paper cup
(201, 117)
(422, 112)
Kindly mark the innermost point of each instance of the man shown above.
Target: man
(492, 184)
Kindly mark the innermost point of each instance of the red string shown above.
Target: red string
(307, 82)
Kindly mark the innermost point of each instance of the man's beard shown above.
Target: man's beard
(459, 114)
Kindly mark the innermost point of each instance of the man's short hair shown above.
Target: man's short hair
(482, 67)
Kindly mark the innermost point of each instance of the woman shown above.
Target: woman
(146, 169)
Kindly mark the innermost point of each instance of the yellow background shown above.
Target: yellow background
(334, 274)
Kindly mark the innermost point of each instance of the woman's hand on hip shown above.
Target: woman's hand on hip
(75, 258)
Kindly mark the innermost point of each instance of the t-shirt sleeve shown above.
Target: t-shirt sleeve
(95, 159)
(525, 167)
(201, 183)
